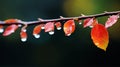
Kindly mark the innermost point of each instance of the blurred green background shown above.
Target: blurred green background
(58, 50)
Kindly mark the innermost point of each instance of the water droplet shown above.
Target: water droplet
(1, 30)
(51, 32)
(91, 26)
(42, 27)
(36, 35)
(19, 25)
(24, 30)
(80, 23)
(68, 34)
(59, 28)
(24, 39)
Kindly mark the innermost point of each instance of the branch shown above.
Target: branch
(42, 21)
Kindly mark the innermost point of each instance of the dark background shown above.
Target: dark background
(58, 50)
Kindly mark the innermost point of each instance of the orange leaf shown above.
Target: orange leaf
(111, 20)
(11, 21)
(10, 29)
(69, 27)
(36, 31)
(49, 27)
(23, 35)
(100, 36)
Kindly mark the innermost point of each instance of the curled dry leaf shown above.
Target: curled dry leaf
(69, 27)
(10, 29)
(111, 20)
(36, 31)
(49, 26)
(58, 25)
(88, 22)
(100, 36)
(23, 35)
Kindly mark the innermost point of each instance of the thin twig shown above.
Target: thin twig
(40, 21)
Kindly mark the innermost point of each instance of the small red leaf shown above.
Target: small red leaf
(88, 22)
(111, 20)
(58, 25)
(100, 36)
(36, 31)
(69, 27)
(95, 21)
(10, 29)
(23, 35)
(49, 26)
(11, 21)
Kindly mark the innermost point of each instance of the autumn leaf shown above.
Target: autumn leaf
(10, 29)
(23, 35)
(69, 27)
(95, 21)
(49, 27)
(36, 31)
(111, 20)
(100, 36)
(88, 22)
(11, 21)
(58, 25)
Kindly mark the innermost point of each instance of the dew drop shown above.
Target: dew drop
(43, 27)
(91, 26)
(24, 30)
(59, 28)
(36, 35)
(68, 34)
(51, 32)
(24, 39)
(19, 25)
(1, 30)
(80, 23)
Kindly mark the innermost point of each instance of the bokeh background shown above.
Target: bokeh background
(58, 50)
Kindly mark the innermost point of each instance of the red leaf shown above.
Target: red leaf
(88, 22)
(69, 27)
(94, 23)
(49, 26)
(100, 36)
(11, 21)
(23, 35)
(111, 20)
(36, 31)
(10, 29)
(58, 25)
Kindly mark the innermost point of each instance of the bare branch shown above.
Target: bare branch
(42, 21)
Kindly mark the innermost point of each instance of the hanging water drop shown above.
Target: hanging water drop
(1, 30)
(51, 32)
(36, 36)
(19, 25)
(91, 26)
(68, 34)
(80, 23)
(23, 39)
(59, 28)
(43, 27)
